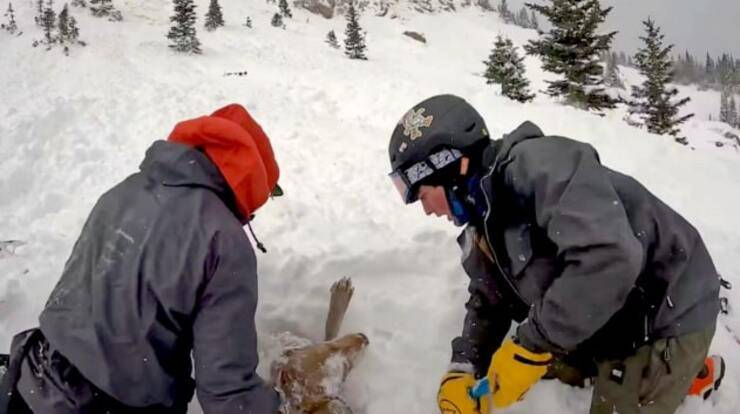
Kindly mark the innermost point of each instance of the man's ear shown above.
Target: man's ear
(464, 163)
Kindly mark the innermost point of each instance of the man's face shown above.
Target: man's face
(434, 201)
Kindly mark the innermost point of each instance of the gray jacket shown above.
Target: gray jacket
(161, 270)
(584, 256)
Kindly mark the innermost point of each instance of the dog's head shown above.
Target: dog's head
(311, 377)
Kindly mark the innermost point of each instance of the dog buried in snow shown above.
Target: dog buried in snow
(310, 377)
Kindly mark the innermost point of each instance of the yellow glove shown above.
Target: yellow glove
(454, 395)
(513, 371)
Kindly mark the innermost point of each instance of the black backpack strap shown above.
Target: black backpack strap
(18, 350)
(4, 362)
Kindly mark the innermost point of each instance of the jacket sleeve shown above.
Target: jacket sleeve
(600, 257)
(486, 321)
(224, 335)
(482, 334)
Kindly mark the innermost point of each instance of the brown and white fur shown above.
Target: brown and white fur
(310, 377)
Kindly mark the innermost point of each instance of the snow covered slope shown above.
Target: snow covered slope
(72, 127)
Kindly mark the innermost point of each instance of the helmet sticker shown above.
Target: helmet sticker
(413, 121)
(402, 147)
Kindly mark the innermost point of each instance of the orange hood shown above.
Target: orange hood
(235, 142)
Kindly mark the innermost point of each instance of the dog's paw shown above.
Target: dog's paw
(342, 290)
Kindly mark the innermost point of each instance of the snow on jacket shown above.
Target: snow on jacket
(164, 269)
(584, 256)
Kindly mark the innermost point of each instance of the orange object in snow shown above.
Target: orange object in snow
(710, 377)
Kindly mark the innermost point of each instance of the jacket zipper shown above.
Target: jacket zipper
(488, 239)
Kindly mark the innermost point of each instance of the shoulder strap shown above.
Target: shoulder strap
(19, 348)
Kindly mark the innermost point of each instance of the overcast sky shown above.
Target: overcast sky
(696, 25)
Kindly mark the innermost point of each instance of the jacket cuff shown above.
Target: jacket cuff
(532, 340)
(466, 367)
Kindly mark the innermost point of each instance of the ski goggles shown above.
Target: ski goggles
(406, 180)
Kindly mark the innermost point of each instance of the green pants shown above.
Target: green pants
(654, 380)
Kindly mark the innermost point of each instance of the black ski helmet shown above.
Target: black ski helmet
(437, 123)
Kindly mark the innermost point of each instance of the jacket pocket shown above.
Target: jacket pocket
(518, 242)
(656, 374)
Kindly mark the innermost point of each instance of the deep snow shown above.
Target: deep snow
(72, 127)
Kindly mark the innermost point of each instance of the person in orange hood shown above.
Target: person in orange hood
(163, 269)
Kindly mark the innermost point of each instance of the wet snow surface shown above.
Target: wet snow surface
(70, 128)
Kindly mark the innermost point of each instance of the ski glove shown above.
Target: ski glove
(513, 371)
(454, 395)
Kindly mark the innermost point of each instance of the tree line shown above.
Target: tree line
(183, 33)
(581, 55)
(573, 48)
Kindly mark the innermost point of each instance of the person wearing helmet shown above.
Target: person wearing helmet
(585, 259)
(162, 271)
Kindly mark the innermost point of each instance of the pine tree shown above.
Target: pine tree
(285, 9)
(48, 22)
(572, 48)
(686, 69)
(183, 34)
(611, 72)
(505, 67)
(104, 8)
(652, 101)
(11, 27)
(248, 23)
(679, 69)
(696, 70)
(214, 17)
(733, 121)
(39, 13)
(63, 25)
(503, 11)
(725, 69)
(68, 32)
(354, 40)
(523, 19)
(709, 70)
(331, 39)
(277, 20)
(533, 21)
(101, 8)
(79, 3)
(74, 31)
(724, 105)
(484, 5)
